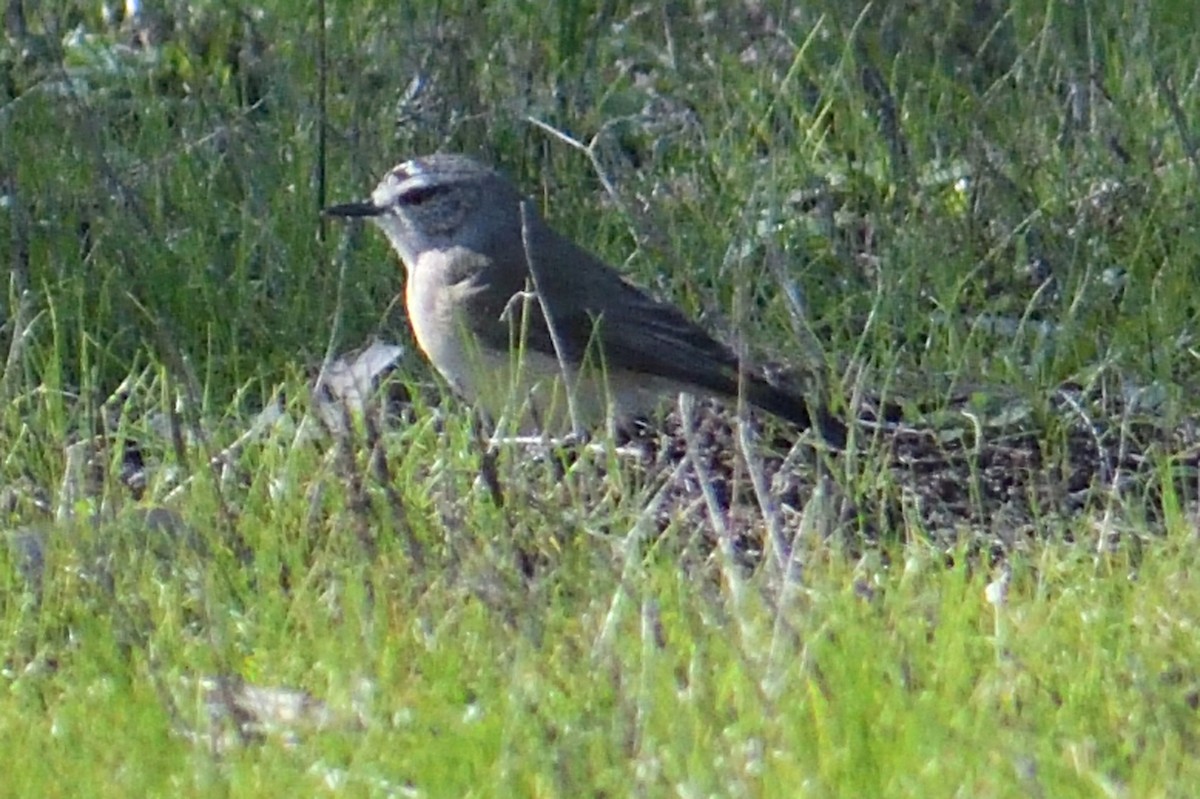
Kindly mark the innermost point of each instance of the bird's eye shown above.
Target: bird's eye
(419, 195)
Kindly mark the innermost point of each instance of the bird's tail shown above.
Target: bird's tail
(796, 409)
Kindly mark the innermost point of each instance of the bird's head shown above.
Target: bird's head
(436, 202)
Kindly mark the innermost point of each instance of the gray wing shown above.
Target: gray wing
(597, 313)
(603, 319)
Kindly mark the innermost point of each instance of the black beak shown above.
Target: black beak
(367, 208)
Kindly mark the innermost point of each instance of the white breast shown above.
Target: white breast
(439, 332)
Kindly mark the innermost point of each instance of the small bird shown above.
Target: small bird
(506, 308)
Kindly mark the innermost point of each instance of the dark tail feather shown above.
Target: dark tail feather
(796, 409)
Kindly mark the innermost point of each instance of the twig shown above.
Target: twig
(322, 111)
(779, 546)
(548, 313)
(19, 283)
(629, 551)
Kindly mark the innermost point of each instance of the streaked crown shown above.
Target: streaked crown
(436, 202)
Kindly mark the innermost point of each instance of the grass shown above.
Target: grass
(918, 202)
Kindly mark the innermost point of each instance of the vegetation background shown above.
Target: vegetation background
(982, 211)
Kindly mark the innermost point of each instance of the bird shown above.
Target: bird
(509, 311)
